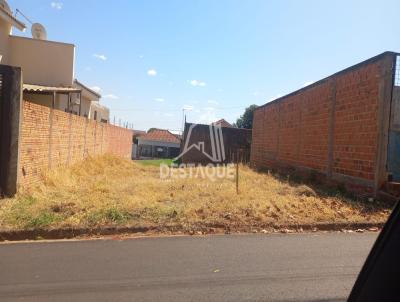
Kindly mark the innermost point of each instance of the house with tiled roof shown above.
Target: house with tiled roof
(156, 143)
(138, 133)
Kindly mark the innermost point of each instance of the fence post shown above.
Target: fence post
(84, 138)
(10, 125)
(237, 173)
(102, 136)
(95, 136)
(51, 129)
(386, 82)
(69, 139)
(331, 128)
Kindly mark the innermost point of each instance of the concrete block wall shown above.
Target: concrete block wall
(53, 138)
(334, 127)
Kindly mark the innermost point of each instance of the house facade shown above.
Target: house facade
(48, 70)
(91, 107)
(156, 143)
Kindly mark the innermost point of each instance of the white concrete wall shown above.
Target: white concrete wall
(134, 151)
(61, 102)
(85, 110)
(102, 112)
(43, 62)
(5, 30)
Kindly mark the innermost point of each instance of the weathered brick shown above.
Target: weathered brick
(294, 131)
(72, 139)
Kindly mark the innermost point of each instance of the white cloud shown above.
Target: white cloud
(197, 83)
(209, 108)
(96, 88)
(256, 93)
(88, 68)
(308, 83)
(168, 114)
(207, 117)
(141, 56)
(110, 96)
(159, 100)
(152, 72)
(214, 102)
(100, 57)
(56, 5)
(188, 107)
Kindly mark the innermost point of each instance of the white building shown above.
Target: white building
(47, 69)
(156, 143)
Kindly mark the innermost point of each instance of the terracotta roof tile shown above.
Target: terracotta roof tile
(139, 133)
(160, 135)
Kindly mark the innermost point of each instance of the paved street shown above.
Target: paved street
(284, 267)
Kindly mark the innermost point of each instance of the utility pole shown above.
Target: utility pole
(237, 176)
(183, 120)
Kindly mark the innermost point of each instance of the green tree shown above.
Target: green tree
(246, 120)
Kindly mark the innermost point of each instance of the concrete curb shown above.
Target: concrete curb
(68, 233)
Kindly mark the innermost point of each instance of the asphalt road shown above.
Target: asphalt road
(284, 267)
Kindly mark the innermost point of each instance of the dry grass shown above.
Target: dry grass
(113, 191)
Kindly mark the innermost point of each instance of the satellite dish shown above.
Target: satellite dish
(38, 31)
(5, 6)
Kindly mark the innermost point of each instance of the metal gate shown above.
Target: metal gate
(10, 109)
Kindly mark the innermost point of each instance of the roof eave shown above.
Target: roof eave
(87, 89)
(141, 138)
(10, 19)
(31, 88)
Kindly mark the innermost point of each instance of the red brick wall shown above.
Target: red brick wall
(330, 127)
(356, 122)
(293, 130)
(67, 139)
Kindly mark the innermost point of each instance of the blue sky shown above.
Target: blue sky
(152, 58)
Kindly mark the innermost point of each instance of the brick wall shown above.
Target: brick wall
(52, 138)
(330, 127)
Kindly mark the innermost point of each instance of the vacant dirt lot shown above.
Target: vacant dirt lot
(112, 191)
